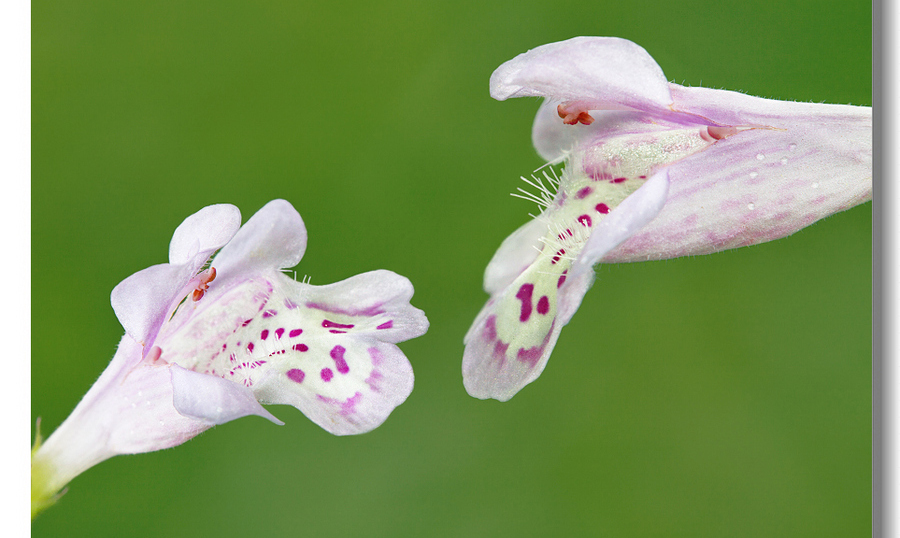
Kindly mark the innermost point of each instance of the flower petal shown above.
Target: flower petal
(759, 184)
(348, 389)
(627, 219)
(273, 238)
(594, 72)
(341, 369)
(515, 254)
(378, 301)
(212, 399)
(142, 300)
(204, 231)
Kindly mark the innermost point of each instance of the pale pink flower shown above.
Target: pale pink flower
(653, 170)
(210, 336)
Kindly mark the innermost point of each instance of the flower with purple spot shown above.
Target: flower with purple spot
(210, 336)
(652, 170)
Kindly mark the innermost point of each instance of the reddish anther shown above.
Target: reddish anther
(573, 117)
(204, 279)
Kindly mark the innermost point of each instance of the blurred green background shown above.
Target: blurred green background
(735, 403)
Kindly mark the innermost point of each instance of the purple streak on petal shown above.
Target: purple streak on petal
(386, 325)
(327, 324)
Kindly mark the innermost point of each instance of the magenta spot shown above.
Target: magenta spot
(348, 407)
(224, 346)
(300, 347)
(264, 334)
(278, 333)
(490, 328)
(244, 324)
(556, 257)
(296, 375)
(290, 304)
(602, 208)
(562, 279)
(250, 347)
(585, 220)
(334, 331)
(500, 349)
(543, 305)
(327, 324)
(337, 354)
(269, 313)
(530, 355)
(377, 357)
(643, 177)
(373, 381)
(295, 332)
(584, 192)
(386, 325)
(619, 180)
(326, 374)
(524, 295)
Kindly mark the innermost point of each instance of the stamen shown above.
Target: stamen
(204, 279)
(573, 116)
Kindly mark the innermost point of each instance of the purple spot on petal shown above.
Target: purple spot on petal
(326, 374)
(619, 180)
(500, 349)
(250, 347)
(300, 347)
(296, 375)
(556, 257)
(290, 304)
(244, 324)
(543, 305)
(264, 334)
(584, 192)
(337, 354)
(585, 220)
(278, 333)
(332, 331)
(269, 313)
(524, 295)
(386, 325)
(295, 332)
(602, 208)
(562, 279)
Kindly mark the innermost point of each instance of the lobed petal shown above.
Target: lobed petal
(273, 238)
(594, 72)
(205, 231)
(808, 162)
(213, 400)
(352, 389)
(515, 254)
(142, 301)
